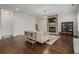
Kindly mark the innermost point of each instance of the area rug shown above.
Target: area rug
(52, 39)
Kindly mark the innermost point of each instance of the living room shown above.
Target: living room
(17, 22)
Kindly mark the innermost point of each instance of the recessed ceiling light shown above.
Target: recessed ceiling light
(17, 9)
(66, 10)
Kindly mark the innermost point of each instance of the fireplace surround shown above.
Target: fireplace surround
(52, 29)
(52, 24)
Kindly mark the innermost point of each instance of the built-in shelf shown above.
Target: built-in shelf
(52, 24)
(67, 28)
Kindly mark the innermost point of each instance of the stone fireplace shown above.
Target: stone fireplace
(52, 24)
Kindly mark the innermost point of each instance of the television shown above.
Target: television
(50, 20)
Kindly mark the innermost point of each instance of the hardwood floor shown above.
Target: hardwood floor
(18, 45)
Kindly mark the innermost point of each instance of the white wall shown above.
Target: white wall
(6, 27)
(68, 18)
(37, 21)
(14, 23)
(64, 17)
(23, 23)
(42, 24)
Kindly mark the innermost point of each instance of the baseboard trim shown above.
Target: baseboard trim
(7, 36)
(74, 36)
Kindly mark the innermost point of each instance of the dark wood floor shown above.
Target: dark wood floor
(18, 45)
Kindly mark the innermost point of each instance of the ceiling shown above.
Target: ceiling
(40, 9)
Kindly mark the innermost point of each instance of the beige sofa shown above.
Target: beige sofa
(36, 36)
(41, 37)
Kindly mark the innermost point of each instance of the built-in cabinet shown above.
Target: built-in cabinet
(52, 24)
(67, 28)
